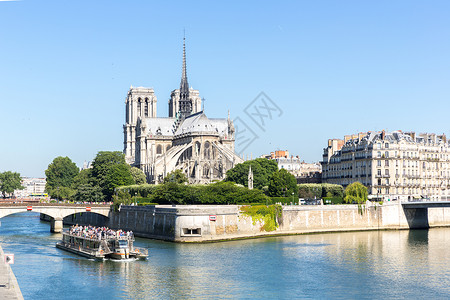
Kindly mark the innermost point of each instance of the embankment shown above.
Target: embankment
(202, 223)
(9, 288)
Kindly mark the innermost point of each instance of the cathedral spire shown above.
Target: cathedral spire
(185, 101)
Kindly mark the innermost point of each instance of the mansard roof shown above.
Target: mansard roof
(396, 137)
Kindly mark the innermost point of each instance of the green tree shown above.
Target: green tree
(9, 182)
(282, 184)
(172, 192)
(83, 178)
(87, 192)
(60, 176)
(103, 162)
(356, 192)
(262, 171)
(109, 170)
(176, 176)
(138, 175)
(117, 175)
(309, 190)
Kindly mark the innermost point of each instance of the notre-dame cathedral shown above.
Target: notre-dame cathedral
(201, 147)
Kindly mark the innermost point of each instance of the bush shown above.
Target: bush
(332, 190)
(174, 193)
(320, 190)
(310, 190)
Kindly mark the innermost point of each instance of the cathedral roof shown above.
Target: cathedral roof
(160, 126)
(197, 122)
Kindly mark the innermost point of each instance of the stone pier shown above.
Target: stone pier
(56, 225)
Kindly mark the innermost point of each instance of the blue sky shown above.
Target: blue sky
(333, 68)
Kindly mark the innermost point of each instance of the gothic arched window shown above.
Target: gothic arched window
(197, 148)
(207, 151)
(139, 107)
(158, 149)
(146, 107)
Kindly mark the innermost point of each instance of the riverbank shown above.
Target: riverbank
(9, 287)
(208, 223)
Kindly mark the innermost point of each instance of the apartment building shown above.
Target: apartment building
(392, 165)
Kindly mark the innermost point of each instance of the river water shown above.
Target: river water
(363, 265)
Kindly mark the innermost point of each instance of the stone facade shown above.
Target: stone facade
(202, 148)
(33, 187)
(392, 165)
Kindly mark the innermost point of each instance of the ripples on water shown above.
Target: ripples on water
(382, 265)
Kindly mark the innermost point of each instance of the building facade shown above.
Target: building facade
(32, 187)
(392, 165)
(304, 172)
(201, 147)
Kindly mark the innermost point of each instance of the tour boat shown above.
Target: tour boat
(112, 247)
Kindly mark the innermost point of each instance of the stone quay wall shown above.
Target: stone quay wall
(9, 288)
(202, 223)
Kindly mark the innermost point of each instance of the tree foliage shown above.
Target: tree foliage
(138, 175)
(320, 190)
(176, 193)
(103, 162)
(60, 176)
(176, 176)
(109, 170)
(356, 192)
(310, 190)
(83, 178)
(262, 171)
(282, 184)
(10, 181)
(117, 175)
(89, 193)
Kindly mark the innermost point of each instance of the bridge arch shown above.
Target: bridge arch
(56, 213)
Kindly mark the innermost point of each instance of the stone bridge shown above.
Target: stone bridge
(57, 212)
(417, 213)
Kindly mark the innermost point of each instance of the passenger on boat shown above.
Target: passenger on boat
(98, 233)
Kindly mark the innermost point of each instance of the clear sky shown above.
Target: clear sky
(332, 67)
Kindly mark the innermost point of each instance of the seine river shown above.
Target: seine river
(381, 265)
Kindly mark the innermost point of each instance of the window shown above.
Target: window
(386, 172)
(379, 172)
(386, 145)
(386, 163)
(386, 154)
(191, 231)
(158, 149)
(207, 151)
(379, 154)
(379, 163)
